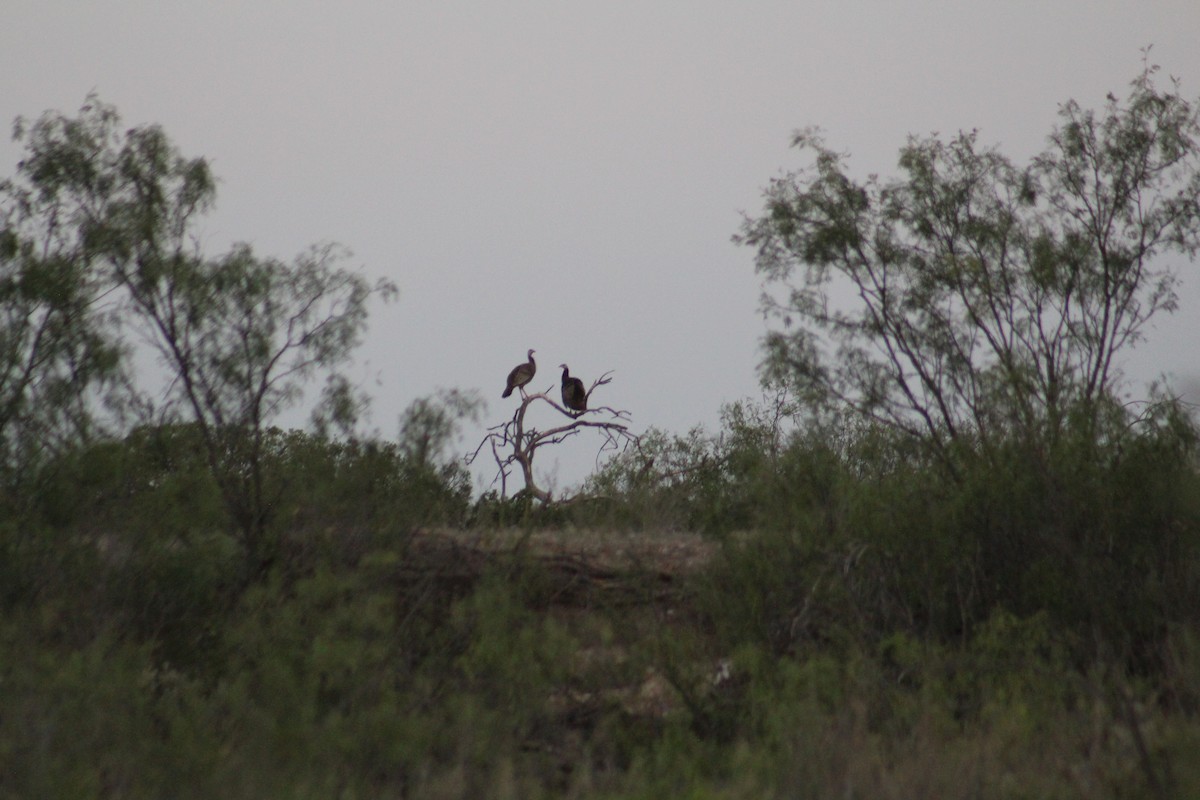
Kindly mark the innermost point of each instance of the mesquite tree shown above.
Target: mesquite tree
(971, 298)
(107, 217)
(60, 352)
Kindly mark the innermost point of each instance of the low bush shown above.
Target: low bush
(851, 533)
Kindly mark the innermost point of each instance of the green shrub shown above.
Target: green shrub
(175, 595)
(92, 720)
(855, 535)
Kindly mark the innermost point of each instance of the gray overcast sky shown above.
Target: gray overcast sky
(567, 176)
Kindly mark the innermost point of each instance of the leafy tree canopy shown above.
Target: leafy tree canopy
(971, 297)
(98, 238)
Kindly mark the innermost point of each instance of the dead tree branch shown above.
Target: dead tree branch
(514, 444)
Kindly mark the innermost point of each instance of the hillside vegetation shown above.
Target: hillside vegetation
(942, 557)
(830, 618)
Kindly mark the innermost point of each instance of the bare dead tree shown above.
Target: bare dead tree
(514, 444)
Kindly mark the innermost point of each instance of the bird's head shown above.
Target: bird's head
(562, 366)
(531, 352)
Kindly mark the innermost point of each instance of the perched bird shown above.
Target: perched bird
(573, 394)
(521, 374)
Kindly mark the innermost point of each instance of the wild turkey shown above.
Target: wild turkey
(521, 374)
(574, 396)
